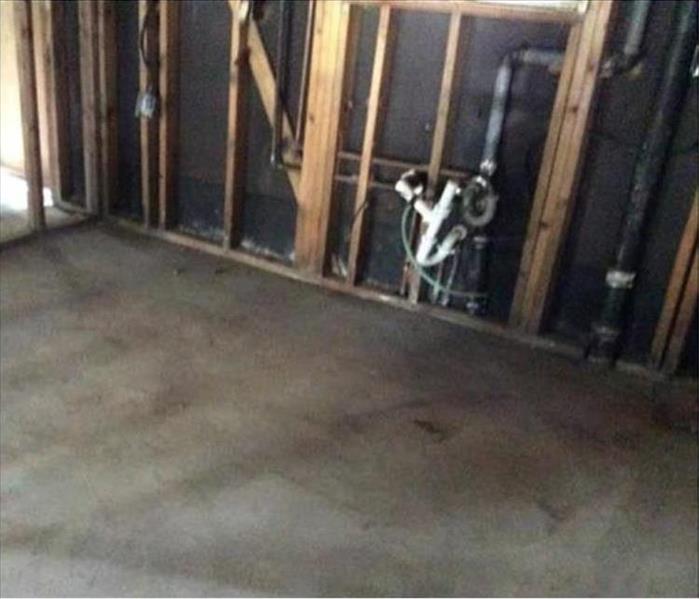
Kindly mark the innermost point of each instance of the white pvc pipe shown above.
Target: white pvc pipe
(435, 218)
(457, 234)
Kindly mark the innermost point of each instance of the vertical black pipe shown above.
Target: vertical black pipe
(477, 275)
(646, 177)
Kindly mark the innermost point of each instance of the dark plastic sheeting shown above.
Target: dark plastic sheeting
(625, 104)
(128, 199)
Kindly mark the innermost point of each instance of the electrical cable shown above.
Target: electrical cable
(151, 63)
(421, 271)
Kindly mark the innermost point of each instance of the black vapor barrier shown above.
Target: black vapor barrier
(625, 104)
(76, 193)
(128, 198)
(408, 128)
(269, 212)
(202, 105)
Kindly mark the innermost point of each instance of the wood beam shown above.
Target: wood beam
(148, 78)
(89, 93)
(563, 156)
(263, 74)
(444, 110)
(26, 70)
(679, 287)
(404, 165)
(335, 26)
(56, 97)
(493, 10)
(236, 148)
(685, 315)
(375, 109)
(106, 19)
(167, 121)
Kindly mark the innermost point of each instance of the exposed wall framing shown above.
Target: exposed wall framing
(376, 108)
(236, 140)
(89, 68)
(334, 37)
(167, 133)
(334, 44)
(680, 303)
(148, 77)
(439, 139)
(555, 194)
(52, 16)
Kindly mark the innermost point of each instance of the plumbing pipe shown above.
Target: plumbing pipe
(477, 275)
(479, 202)
(434, 218)
(501, 92)
(604, 345)
(456, 235)
(280, 82)
(455, 263)
(627, 58)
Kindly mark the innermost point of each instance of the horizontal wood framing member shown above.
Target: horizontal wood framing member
(367, 293)
(486, 10)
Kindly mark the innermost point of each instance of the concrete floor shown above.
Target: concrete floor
(174, 424)
(14, 214)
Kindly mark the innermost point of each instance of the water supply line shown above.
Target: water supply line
(550, 59)
(480, 199)
(606, 332)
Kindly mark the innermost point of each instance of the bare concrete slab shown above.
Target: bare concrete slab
(174, 424)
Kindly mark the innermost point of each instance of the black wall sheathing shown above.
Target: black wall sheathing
(269, 215)
(202, 104)
(352, 138)
(75, 128)
(624, 107)
(690, 359)
(269, 212)
(408, 126)
(128, 198)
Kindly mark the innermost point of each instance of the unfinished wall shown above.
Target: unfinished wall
(625, 105)
(11, 144)
(269, 211)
